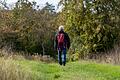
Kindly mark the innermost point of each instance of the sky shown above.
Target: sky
(41, 3)
(54, 2)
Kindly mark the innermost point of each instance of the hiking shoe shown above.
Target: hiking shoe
(60, 63)
(63, 63)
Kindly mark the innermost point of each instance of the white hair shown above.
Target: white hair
(61, 28)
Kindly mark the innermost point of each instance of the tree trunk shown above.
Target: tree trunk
(43, 48)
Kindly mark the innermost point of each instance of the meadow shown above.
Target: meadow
(37, 70)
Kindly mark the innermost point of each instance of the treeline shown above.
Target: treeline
(28, 28)
(93, 25)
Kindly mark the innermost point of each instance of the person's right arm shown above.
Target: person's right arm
(68, 41)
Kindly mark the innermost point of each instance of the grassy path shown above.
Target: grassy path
(72, 71)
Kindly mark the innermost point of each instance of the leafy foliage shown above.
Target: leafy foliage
(33, 28)
(92, 24)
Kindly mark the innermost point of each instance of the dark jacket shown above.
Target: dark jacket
(67, 40)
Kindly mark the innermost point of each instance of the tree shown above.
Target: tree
(35, 27)
(92, 24)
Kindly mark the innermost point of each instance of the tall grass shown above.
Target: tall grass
(9, 70)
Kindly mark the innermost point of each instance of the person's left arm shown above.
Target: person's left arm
(55, 42)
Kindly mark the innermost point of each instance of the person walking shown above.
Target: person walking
(62, 43)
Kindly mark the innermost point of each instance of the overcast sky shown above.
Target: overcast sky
(54, 2)
(41, 3)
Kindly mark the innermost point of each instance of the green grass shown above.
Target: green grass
(81, 70)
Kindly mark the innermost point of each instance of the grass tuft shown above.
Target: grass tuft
(9, 70)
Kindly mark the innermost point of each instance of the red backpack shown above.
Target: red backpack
(60, 38)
